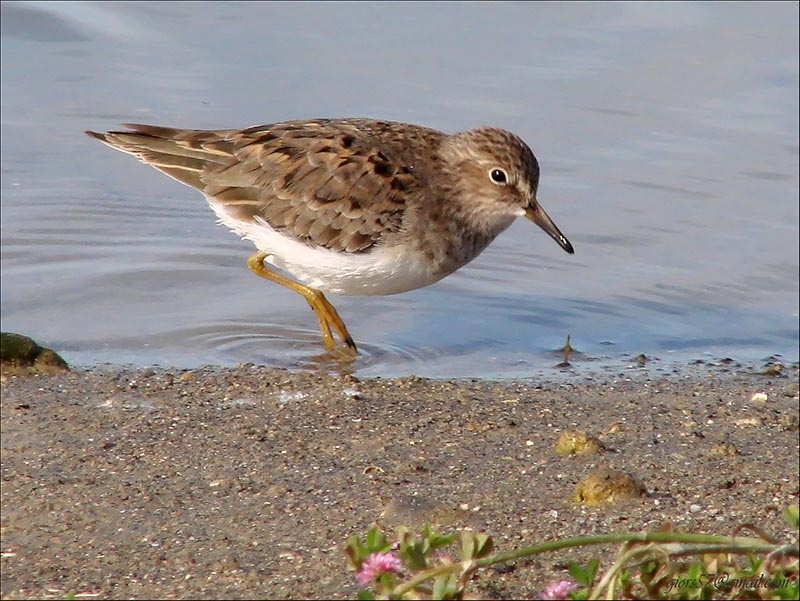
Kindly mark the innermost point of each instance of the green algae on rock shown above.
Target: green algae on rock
(578, 442)
(20, 355)
(608, 486)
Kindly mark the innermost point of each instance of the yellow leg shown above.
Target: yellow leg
(326, 314)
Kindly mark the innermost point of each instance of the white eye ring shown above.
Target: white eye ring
(498, 176)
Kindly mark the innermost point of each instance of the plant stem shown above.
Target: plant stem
(744, 545)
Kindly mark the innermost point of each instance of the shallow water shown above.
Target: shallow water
(667, 136)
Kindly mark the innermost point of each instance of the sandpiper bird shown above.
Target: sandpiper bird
(352, 206)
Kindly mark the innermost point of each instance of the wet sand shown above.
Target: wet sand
(245, 483)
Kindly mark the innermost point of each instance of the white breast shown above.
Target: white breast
(387, 270)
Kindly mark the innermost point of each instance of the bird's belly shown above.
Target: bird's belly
(383, 270)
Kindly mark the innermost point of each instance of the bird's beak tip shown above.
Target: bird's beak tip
(536, 214)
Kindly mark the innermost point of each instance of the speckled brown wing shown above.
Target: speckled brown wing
(338, 184)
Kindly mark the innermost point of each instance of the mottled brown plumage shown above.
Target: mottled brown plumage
(352, 206)
(337, 184)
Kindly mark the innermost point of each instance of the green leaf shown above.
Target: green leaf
(695, 571)
(584, 577)
(580, 575)
(789, 592)
(483, 545)
(376, 540)
(468, 545)
(446, 586)
(647, 571)
(385, 582)
(474, 546)
(792, 516)
(591, 568)
(412, 555)
(365, 595)
(437, 541)
(356, 551)
(625, 583)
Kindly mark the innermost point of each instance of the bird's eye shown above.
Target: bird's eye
(498, 176)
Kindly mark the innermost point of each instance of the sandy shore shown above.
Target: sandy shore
(244, 483)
